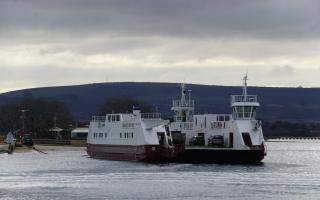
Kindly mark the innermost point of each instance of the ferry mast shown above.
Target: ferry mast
(244, 106)
(244, 93)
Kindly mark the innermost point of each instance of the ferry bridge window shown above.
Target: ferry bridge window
(117, 117)
(221, 118)
(227, 118)
(105, 135)
(132, 134)
(100, 134)
(247, 111)
(120, 135)
(238, 112)
(109, 118)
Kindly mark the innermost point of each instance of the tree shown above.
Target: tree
(10, 117)
(122, 105)
(38, 117)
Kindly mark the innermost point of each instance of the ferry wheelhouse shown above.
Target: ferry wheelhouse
(132, 136)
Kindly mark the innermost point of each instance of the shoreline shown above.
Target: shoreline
(44, 148)
(48, 147)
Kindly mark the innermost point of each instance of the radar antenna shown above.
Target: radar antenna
(244, 93)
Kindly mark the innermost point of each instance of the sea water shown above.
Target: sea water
(291, 170)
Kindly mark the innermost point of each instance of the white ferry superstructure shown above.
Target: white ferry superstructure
(211, 138)
(131, 136)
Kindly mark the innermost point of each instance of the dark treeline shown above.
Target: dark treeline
(38, 116)
(290, 129)
(270, 129)
(287, 104)
(41, 115)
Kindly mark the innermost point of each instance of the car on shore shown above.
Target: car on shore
(27, 140)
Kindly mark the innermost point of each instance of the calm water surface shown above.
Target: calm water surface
(290, 171)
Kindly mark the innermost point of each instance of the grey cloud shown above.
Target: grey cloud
(178, 18)
(286, 70)
(210, 41)
(51, 76)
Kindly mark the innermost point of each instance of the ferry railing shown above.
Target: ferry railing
(186, 125)
(179, 119)
(99, 118)
(182, 125)
(241, 98)
(186, 103)
(151, 115)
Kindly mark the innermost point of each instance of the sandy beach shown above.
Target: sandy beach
(3, 148)
(44, 148)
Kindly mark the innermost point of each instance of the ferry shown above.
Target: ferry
(189, 138)
(215, 138)
(132, 136)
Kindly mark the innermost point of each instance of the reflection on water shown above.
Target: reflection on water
(290, 171)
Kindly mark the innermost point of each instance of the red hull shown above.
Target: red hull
(134, 153)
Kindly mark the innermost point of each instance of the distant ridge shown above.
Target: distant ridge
(291, 104)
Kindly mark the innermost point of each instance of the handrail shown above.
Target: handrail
(99, 118)
(151, 115)
(242, 98)
(186, 103)
(186, 125)
(143, 116)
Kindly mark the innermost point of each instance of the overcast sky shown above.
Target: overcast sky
(63, 42)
